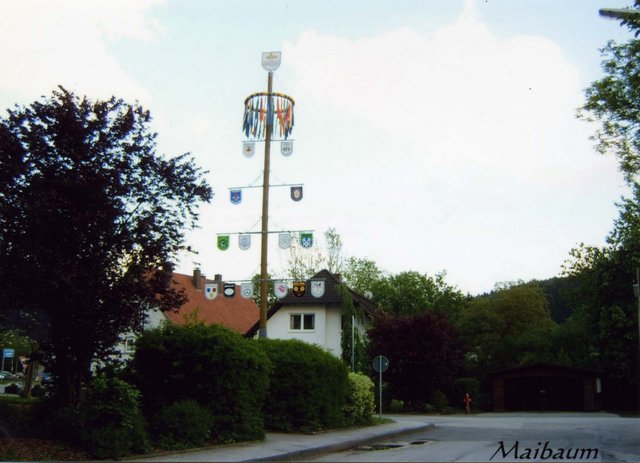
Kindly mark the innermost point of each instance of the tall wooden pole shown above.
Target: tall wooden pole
(264, 276)
(637, 294)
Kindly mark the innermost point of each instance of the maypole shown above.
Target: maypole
(259, 121)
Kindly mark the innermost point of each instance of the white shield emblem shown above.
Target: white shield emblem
(244, 241)
(280, 289)
(271, 60)
(286, 148)
(246, 290)
(248, 148)
(284, 240)
(317, 288)
(211, 291)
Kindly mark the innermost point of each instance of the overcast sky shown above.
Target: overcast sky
(432, 135)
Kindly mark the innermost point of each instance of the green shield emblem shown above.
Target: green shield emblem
(223, 242)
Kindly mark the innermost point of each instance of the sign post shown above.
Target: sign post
(380, 364)
(9, 354)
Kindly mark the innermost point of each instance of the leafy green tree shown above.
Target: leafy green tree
(604, 305)
(304, 263)
(271, 297)
(411, 292)
(506, 327)
(614, 101)
(90, 219)
(362, 274)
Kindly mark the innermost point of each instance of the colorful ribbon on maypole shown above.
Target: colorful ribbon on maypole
(260, 111)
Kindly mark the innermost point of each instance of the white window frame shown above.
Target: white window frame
(303, 316)
(129, 344)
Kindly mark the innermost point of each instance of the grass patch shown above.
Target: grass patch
(13, 399)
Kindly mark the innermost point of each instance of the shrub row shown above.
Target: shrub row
(197, 385)
(211, 365)
(308, 387)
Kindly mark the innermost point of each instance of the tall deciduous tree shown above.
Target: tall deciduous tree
(424, 352)
(411, 292)
(507, 327)
(604, 303)
(304, 263)
(90, 219)
(614, 101)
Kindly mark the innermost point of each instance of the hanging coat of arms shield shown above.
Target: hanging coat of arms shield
(211, 291)
(299, 288)
(284, 240)
(246, 290)
(229, 289)
(306, 240)
(223, 242)
(280, 289)
(286, 148)
(248, 148)
(236, 196)
(317, 288)
(296, 193)
(244, 242)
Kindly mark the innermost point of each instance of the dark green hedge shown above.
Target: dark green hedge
(111, 424)
(212, 365)
(308, 387)
(182, 425)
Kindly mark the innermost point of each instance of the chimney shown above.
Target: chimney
(338, 277)
(196, 279)
(217, 278)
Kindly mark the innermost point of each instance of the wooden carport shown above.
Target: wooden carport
(546, 387)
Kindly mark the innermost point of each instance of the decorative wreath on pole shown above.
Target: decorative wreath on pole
(273, 109)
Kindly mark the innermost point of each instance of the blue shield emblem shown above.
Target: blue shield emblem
(236, 196)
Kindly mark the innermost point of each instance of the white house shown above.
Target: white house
(316, 319)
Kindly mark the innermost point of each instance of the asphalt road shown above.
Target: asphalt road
(510, 437)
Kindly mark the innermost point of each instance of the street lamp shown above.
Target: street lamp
(618, 13)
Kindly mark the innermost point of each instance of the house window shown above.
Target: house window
(302, 322)
(129, 344)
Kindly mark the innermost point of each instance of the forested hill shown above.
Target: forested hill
(560, 292)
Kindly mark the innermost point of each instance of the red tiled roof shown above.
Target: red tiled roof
(236, 313)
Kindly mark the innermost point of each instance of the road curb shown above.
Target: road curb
(341, 446)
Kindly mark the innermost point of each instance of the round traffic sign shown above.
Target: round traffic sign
(380, 363)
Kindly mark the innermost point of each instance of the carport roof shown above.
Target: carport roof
(545, 369)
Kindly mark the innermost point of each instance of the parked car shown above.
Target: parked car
(7, 375)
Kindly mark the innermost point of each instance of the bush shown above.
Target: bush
(439, 401)
(16, 419)
(112, 424)
(62, 423)
(13, 389)
(182, 425)
(360, 401)
(212, 365)
(38, 391)
(308, 387)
